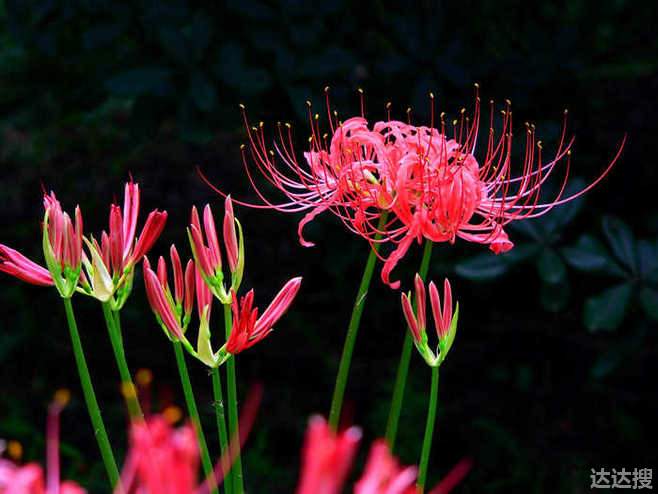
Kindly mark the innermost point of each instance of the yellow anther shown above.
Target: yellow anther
(308, 103)
(454, 122)
(242, 146)
(260, 124)
(409, 110)
(443, 114)
(288, 125)
(172, 414)
(431, 95)
(360, 91)
(310, 139)
(508, 102)
(326, 89)
(62, 397)
(462, 111)
(477, 86)
(242, 107)
(15, 450)
(539, 144)
(388, 105)
(317, 117)
(325, 135)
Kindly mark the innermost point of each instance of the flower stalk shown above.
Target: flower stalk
(193, 412)
(403, 365)
(220, 417)
(429, 431)
(352, 331)
(127, 386)
(90, 398)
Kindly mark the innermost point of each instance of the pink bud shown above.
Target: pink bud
(178, 274)
(230, 237)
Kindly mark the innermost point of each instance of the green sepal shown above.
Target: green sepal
(52, 264)
(102, 285)
(123, 289)
(203, 347)
(445, 344)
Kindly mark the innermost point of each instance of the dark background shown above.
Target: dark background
(553, 369)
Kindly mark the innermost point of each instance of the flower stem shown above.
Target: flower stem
(429, 431)
(221, 429)
(403, 366)
(352, 330)
(90, 398)
(194, 416)
(127, 386)
(232, 395)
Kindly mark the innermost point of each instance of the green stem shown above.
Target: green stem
(232, 395)
(90, 399)
(127, 386)
(352, 331)
(429, 431)
(221, 429)
(194, 416)
(403, 366)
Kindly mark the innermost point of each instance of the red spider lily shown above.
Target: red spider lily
(429, 179)
(248, 329)
(207, 254)
(444, 320)
(29, 479)
(161, 458)
(326, 458)
(62, 249)
(110, 269)
(383, 474)
(173, 310)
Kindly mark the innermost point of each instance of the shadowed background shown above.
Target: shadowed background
(550, 375)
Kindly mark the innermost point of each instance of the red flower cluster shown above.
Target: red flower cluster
(426, 179)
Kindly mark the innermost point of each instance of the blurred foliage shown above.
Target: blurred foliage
(93, 90)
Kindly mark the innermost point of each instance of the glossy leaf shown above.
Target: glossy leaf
(606, 311)
(622, 241)
(550, 267)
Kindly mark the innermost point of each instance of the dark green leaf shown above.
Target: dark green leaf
(482, 267)
(145, 80)
(649, 301)
(590, 255)
(203, 92)
(606, 311)
(550, 267)
(622, 241)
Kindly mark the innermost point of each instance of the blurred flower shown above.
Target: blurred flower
(383, 474)
(444, 320)
(110, 268)
(248, 329)
(207, 254)
(62, 246)
(29, 479)
(430, 183)
(326, 458)
(161, 458)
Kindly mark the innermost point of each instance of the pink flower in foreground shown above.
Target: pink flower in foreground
(207, 254)
(384, 475)
(248, 329)
(444, 320)
(427, 179)
(326, 458)
(62, 249)
(29, 479)
(110, 269)
(161, 458)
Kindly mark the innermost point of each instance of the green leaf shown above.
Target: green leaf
(482, 267)
(590, 255)
(622, 241)
(145, 80)
(606, 311)
(203, 92)
(550, 267)
(649, 301)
